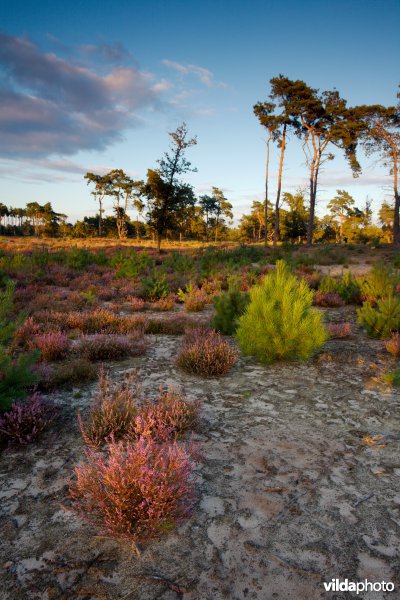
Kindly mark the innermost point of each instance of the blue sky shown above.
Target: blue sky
(95, 85)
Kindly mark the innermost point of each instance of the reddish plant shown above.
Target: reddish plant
(339, 330)
(26, 332)
(113, 410)
(52, 346)
(26, 421)
(193, 298)
(66, 374)
(205, 352)
(135, 303)
(137, 490)
(328, 299)
(109, 347)
(170, 416)
(165, 304)
(175, 325)
(393, 345)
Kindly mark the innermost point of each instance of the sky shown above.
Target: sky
(94, 85)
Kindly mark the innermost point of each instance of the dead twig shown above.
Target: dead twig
(363, 499)
(297, 568)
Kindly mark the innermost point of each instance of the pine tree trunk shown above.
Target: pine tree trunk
(100, 218)
(278, 193)
(266, 195)
(311, 217)
(396, 224)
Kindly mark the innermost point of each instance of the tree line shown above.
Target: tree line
(166, 205)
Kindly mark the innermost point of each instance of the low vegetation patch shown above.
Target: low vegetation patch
(205, 352)
(26, 420)
(136, 490)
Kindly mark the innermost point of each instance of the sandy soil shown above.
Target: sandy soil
(289, 495)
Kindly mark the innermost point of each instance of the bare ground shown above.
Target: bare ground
(289, 494)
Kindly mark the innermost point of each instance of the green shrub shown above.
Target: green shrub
(179, 263)
(380, 282)
(279, 322)
(15, 376)
(80, 258)
(229, 306)
(15, 372)
(155, 286)
(392, 378)
(349, 289)
(132, 264)
(382, 320)
(328, 284)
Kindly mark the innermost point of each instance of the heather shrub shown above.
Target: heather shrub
(113, 410)
(52, 346)
(279, 322)
(176, 324)
(328, 299)
(75, 371)
(205, 352)
(193, 298)
(171, 415)
(165, 304)
(339, 330)
(393, 345)
(26, 421)
(381, 320)
(229, 306)
(137, 490)
(212, 286)
(25, 333)
(135, 303)
(101, 321)
(109, 347)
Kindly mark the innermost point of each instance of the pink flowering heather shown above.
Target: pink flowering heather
(26, 421)
(52, 346)
(109, 347)
(328, 299)
(165, 304)
(205, 352)
(113, 410)
(25, 332)
(339, 330)
(136, 490)
(136, 304)
(170, 416)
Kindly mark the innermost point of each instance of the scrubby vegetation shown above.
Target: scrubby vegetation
(136, 489)
(205, 352)
(279, 322)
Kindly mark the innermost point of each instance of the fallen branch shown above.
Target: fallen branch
(364, 499)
